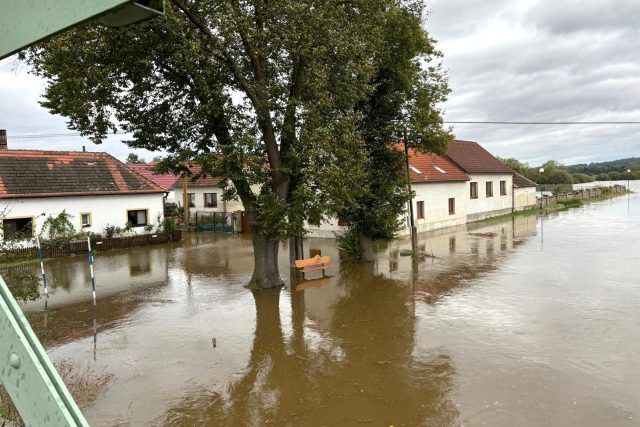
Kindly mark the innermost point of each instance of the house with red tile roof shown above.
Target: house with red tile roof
(440, 188)
(96, 189)
(490, 186)
(203, 194)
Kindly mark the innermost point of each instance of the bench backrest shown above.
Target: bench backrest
(316, 260)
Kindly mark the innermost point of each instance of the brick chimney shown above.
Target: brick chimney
(3, 139)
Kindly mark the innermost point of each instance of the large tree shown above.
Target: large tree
(409, 86)
(262, 93)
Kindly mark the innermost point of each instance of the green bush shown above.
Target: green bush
(349, 243)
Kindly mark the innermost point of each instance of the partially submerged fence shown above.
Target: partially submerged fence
(586, 193)
(81, 246)
(219, 222)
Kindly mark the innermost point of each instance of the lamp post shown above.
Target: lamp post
(628, 178)
(541, 170)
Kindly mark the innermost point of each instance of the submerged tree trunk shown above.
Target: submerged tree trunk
(366, 245)
(265, 271)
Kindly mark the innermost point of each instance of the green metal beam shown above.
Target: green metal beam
(35, 387)
(24, 22)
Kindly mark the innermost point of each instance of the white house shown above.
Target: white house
(440, 189)
(96, 189)
(440, 200)
(490, 187)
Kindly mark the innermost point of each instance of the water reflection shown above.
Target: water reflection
(357, 367)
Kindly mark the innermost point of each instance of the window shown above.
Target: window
(452, 206)
(85, 219)
(17, 228)
(137, 218)
(210, 200)
(191, 200)
(474, 190)
(420, 210)
(489, 189)
(503, 188)
(343, 222)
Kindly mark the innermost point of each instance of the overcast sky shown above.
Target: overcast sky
(508, 60)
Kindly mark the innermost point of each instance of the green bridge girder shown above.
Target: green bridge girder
(24, 22)
(26, 372)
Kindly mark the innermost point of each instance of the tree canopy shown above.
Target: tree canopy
(134, 158)
(267, 95)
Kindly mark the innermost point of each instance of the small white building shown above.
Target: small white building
(490, 187)
(95, 189)
(524, 193)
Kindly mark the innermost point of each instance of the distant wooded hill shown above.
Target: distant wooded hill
(620, 165)
(556, 173)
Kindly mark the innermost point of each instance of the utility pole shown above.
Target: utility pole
(185, 203)
(412, 227)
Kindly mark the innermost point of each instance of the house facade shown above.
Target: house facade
(465, 185)
(95, 189)
(490, 189)
(440, 192)
(440, 200)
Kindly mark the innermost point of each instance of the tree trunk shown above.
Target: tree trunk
(265, 271)
(366, 244)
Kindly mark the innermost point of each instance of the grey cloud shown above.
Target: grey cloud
(543, 62)
(575, 15)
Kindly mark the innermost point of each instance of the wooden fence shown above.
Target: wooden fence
(80, 246)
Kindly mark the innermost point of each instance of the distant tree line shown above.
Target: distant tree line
(556, 173)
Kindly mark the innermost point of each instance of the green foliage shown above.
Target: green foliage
(270, 96)
(621, 165)
(134, 158)
(168, 227)
(582, 178)
(58, 230)
(349, 244)
(409, 85)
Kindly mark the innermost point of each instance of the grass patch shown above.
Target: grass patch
(560, 205)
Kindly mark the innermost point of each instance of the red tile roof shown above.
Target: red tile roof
(169, 180)
(472, 158)
(429, 167)
(37, 173)
(165, 181)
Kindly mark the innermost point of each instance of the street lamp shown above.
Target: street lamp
(628, 178)
(541, 170)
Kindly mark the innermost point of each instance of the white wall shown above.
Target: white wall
(483, 206)
(223, 206)
(436, 209)
(524, 198)
(104, 210)
(435, 196)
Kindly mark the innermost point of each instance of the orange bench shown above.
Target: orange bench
(314, 264)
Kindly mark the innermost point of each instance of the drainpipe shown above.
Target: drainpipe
(412, 227)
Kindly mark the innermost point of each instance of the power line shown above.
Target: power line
(449, 122)
(55, 135)
(537, 123)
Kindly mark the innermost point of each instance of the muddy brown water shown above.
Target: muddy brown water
(529, 321)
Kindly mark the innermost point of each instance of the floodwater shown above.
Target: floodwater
(529, 321)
